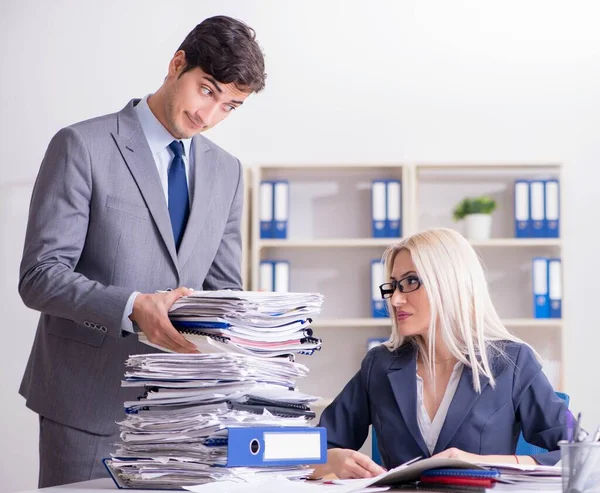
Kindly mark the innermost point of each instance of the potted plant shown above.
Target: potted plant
(477, 213)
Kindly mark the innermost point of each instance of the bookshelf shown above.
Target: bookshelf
(329, 247)
(436, 189)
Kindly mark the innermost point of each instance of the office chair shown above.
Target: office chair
(524, 448)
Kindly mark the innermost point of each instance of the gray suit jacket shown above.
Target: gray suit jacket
(98, 230)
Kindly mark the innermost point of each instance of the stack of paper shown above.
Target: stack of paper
(232, 412)
(248, 322)
(524, 474)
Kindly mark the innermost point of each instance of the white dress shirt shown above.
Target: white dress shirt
(430, 429)
(159, 138)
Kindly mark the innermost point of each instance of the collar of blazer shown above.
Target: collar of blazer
(402, 377)
(136, 153)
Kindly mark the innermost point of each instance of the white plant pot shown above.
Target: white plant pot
(479, 226)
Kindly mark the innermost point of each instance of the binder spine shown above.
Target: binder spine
(522, 210)
(378, 208)
(276, 446)
(555, 287)
(537, 200)
(378, 305)
(281, 209)
(281, 276)
(266, 209)
(541, 302)
(266, 276)
(394, 209)
(552, 211)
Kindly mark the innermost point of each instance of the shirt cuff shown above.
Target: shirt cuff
(126, 323)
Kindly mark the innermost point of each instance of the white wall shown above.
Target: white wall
(350, 81)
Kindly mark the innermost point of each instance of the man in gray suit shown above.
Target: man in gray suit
(125, 205)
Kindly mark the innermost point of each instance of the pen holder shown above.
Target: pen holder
(580, 467)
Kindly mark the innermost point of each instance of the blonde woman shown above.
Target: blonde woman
(451, 381)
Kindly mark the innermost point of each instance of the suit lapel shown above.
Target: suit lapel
(403, 379)
(460, 407)
(206, 165)
(134, 148)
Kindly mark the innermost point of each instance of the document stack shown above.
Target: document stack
(232, 412)
(248, 322)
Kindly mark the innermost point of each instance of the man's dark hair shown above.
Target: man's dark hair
(226, 49)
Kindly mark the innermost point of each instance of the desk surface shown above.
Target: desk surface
(104, 485)
(84, 487)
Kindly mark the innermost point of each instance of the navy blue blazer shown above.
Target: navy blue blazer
(384, 393)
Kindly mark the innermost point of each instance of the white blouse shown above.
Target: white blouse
(430, 429)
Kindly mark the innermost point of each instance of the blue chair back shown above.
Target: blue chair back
(375, 455)
(524, 448)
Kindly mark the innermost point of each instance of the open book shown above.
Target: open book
(411, 471)
(408, 472)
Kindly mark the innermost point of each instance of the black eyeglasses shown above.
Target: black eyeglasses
(407, 284)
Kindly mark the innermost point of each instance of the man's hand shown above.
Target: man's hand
(150, 313)
(350, 464)
(455, 453)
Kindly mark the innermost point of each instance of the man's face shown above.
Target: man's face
(195, 101)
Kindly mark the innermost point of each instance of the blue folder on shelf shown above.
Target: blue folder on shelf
(265, 207)
(522, 210)
(537, 203)
(541, 300)
(379, 208)
(378, 305)
(555, 287)
(393, 209)
(552, 209)
(281, 199)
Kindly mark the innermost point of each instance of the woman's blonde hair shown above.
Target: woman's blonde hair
(462, 312)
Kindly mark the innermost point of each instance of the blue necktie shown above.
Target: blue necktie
(179, 205)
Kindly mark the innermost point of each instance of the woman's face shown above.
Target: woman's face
(410, 309)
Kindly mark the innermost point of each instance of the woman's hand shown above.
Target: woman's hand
(350, 464)
(456, 453)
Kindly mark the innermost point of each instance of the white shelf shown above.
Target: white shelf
(329, 243)
(533, 322)
(486, 166)
(385, 322)
(384, 242)
(518, 242)
(321, 167)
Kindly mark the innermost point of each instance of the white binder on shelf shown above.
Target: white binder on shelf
(522, 219)
(378, 305)
(281, 199)
(541, 301)
(555, 287)
(281, 276)
(378, 208)
(537, 207)
(552, 209)
(394, 209)
(265, 276)
(265, 206)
